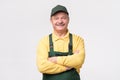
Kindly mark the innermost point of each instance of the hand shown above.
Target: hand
(68, 68)
(76, 52)
(53, 59)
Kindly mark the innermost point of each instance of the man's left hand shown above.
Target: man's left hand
(53, 59)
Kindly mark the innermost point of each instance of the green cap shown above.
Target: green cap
(59, 8)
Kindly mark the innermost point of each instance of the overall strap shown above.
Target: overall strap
(69, 46)
(51, 43)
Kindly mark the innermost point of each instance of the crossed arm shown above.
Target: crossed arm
(65, 59)
(59, 64)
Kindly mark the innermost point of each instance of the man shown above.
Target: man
(61, 54)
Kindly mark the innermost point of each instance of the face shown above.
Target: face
(60, 21)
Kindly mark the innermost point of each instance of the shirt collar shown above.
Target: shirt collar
(55, 37)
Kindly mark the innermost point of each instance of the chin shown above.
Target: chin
(60, 29)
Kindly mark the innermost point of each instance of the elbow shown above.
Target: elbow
(41, 68)
(80, 60)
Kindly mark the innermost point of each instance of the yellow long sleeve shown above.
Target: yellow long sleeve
(74, 60)
(45, 66)
(60, 45)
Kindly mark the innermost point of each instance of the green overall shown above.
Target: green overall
(71, 74)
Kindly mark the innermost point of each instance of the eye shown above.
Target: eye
(64, 17)
(56, 18)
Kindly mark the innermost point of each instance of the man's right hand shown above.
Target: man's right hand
(68, 68)
(76, 52)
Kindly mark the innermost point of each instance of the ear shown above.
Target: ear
(68, 19)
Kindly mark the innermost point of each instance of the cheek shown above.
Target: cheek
(66, 22)
(53, 21)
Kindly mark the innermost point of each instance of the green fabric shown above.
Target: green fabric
(67, 75)
(59, 8)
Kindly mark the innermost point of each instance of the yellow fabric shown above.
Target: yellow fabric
(61, 45)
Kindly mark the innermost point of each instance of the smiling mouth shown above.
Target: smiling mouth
(60, 24)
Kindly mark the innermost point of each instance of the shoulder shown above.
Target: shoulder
(77, 37)
(44, 40)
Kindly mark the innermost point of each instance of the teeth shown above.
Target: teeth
(61, 25)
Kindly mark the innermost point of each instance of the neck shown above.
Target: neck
(60, 33)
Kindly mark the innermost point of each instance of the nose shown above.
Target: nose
(60, 21)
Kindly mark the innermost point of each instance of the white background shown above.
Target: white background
(24, 22)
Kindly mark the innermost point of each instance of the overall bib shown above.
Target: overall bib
(71, 74)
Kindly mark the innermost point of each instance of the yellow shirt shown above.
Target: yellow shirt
(61, 45)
